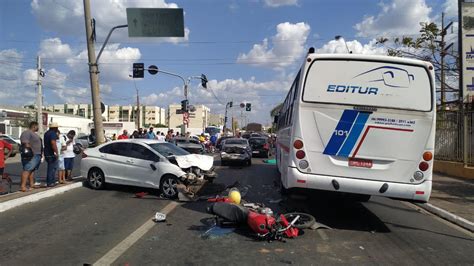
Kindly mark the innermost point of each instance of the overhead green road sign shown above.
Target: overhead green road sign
(155, 22)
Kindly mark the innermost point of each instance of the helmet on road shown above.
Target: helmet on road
(234, 195)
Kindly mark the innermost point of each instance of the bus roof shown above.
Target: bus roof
(393, 59)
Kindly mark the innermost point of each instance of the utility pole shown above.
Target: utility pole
(138, 109)
(443, 54)
(94, 74)
(39, 96)
(444, 51)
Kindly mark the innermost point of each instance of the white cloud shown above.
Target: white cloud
(399, 17)
(13, 89)
(338, 47)
(53, 48)
(67, 17)
(278, 3)
(114, 66)
(451, 8)
(286, 47)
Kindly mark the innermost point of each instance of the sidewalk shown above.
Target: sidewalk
(452, 195)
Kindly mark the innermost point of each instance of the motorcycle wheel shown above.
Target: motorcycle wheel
(304, 222)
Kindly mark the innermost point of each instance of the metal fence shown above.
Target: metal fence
(450, 130)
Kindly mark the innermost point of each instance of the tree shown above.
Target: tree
(428, 46)
(159, 125)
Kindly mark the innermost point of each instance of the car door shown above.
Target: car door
(115, 156)
(140, 171)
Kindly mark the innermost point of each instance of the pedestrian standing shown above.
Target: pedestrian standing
(4, 145)
(32, 152)
(124, 135)
(61, 145)
(169, 135)
(142, 133)
(160, 136)
(151, 134)
(51, 153)
(134, 135)
(69, 154)
(114, 136)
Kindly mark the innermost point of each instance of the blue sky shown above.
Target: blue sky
(249, 49)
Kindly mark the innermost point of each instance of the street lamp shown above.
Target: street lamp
(186, 82)
(339, 37)
(138, 102)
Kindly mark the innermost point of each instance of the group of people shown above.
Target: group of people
(56, 149)
(140, 134)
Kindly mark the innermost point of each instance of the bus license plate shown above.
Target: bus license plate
(360, 163)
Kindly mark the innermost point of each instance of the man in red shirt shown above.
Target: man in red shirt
(4, 145)
(124, 135)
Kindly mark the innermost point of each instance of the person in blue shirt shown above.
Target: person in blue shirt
(51, 153)
(151, 134)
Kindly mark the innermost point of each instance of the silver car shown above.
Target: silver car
(236, 150)
(145, 163)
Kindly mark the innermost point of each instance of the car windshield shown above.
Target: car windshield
(236, 141)
(168, 149)
(257, 141)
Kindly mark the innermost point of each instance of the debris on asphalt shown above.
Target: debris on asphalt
(317, 226)
(270, 161)
(216, 232)
(275, 201)
(159, 217)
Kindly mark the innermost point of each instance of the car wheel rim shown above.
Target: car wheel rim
(169, 187)
(96, 179)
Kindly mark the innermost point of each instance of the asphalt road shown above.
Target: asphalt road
(81, 226)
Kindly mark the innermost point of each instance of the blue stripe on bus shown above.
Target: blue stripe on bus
(354, 134)
(344, 125)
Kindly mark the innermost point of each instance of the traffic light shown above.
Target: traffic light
(248, 107)
(230, 104)
(138, 70)
(184, 105)
(204, 81)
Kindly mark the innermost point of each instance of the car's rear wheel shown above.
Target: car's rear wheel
(96, 178)
(169, 186)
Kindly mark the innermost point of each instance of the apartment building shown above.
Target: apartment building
(198, 119)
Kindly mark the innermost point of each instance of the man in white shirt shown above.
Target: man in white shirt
(69, 154)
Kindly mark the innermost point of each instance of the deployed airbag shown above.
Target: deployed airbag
(204, 162)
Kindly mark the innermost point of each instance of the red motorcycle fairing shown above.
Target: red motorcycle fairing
(260, 223)
(291, 232)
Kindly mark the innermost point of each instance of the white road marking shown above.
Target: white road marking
(123, 246)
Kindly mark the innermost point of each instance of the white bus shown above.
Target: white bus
(358, 124)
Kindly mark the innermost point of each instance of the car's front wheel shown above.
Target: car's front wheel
(96, 178)
(169, 186)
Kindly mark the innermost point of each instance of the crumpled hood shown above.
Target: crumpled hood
(204, 162)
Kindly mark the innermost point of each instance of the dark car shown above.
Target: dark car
(192, 145)
(260, 146)
(236, 150)
(220, 140)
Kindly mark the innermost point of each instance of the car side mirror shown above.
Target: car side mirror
(153, 167)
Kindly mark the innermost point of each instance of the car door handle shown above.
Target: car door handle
(129, 161)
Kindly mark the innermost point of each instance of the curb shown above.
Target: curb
(4, 206)
(447, 216)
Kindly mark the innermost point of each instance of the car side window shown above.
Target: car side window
(121, 149)
(141, 152)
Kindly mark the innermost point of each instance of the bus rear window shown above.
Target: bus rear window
(368, 83)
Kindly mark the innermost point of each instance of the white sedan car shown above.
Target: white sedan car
(144, 163)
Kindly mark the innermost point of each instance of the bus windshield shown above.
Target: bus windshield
(369, 83)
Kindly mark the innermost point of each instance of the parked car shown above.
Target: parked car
(15, 144)
(83, 141)
(237, 150)
(192, 145)
(144, 163)
(220, 140)
(260, 146)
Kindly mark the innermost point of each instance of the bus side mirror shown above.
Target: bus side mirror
(275, 119)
